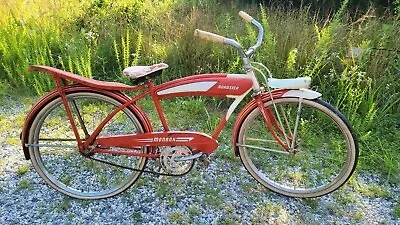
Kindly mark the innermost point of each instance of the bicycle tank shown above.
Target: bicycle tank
(215, 85)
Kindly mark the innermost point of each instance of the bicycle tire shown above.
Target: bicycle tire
(55, 155)
(326, 148)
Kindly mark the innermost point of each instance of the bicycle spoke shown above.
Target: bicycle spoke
(262, 140)
(58, 139)
(286, 120)
(264, 149)
(51, 146)
(296, 123)
(80, 119)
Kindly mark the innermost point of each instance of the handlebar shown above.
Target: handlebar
(208, 36)
(223, 40)
(245, 16)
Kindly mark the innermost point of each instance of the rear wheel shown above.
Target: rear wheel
(55, 155)
(324, 148)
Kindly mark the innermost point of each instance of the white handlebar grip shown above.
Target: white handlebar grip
(245, 16)
(208, 36)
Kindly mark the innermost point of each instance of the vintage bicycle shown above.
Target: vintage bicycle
(89, 140)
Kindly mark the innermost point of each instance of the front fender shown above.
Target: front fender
(280, 93)
(302, 93)
(71, 89)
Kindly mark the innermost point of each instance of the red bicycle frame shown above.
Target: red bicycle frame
(235, 86)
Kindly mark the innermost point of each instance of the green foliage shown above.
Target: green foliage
(326, 37)
(291, 62)
(396, 211)
(380, 148)
(176, 217)
(22, 169)
(270, 213)
(64, 205)
(25, 184)
(397, 6)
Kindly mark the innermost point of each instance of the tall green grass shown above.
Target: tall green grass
(99, 38)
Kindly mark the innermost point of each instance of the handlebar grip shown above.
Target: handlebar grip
(208, 36)
(245, 16)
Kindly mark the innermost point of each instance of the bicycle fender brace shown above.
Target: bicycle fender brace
(144, 120)
(278, 93)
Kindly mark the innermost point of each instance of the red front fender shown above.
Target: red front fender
(75, 88)
(247, 109)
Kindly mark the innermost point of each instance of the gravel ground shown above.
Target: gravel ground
(222, 193)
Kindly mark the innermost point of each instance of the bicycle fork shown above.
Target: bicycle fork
(276, 125)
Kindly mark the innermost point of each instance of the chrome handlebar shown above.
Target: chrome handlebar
(220, 39)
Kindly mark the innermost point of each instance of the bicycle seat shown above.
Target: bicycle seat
(82, 80)
(297, 83)
(142, 73)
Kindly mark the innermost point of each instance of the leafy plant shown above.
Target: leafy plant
(22, 169)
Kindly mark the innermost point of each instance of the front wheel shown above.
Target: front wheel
(55, 155)
(323, 152)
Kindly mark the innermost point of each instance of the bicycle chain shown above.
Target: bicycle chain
(130, 168)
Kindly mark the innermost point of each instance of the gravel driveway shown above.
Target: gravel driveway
(222, 193)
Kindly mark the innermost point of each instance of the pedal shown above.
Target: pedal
(204, 160)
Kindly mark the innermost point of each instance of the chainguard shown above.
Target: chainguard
(195, 140)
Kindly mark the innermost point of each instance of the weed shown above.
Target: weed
(41, 211)
(65, 204)
(25, 184)
(85, 202)
(396, 211)
(162, 190)
(137, 216)
(229, 208)
(213, 197)
(313, 203)
(70, 216)
(248, 187)
(229, 220)
(2, 164)
(127, 193)
(12, 141)
(358, 215)
(221, 180)
(335, 209)
(225, 153)
(215, 201)
(371, 190)
(22, 169)
(193, 211)
(66, 179)
(176, 217)
(270, 213)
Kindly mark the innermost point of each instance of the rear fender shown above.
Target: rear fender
(280, 93)
(71, 89)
